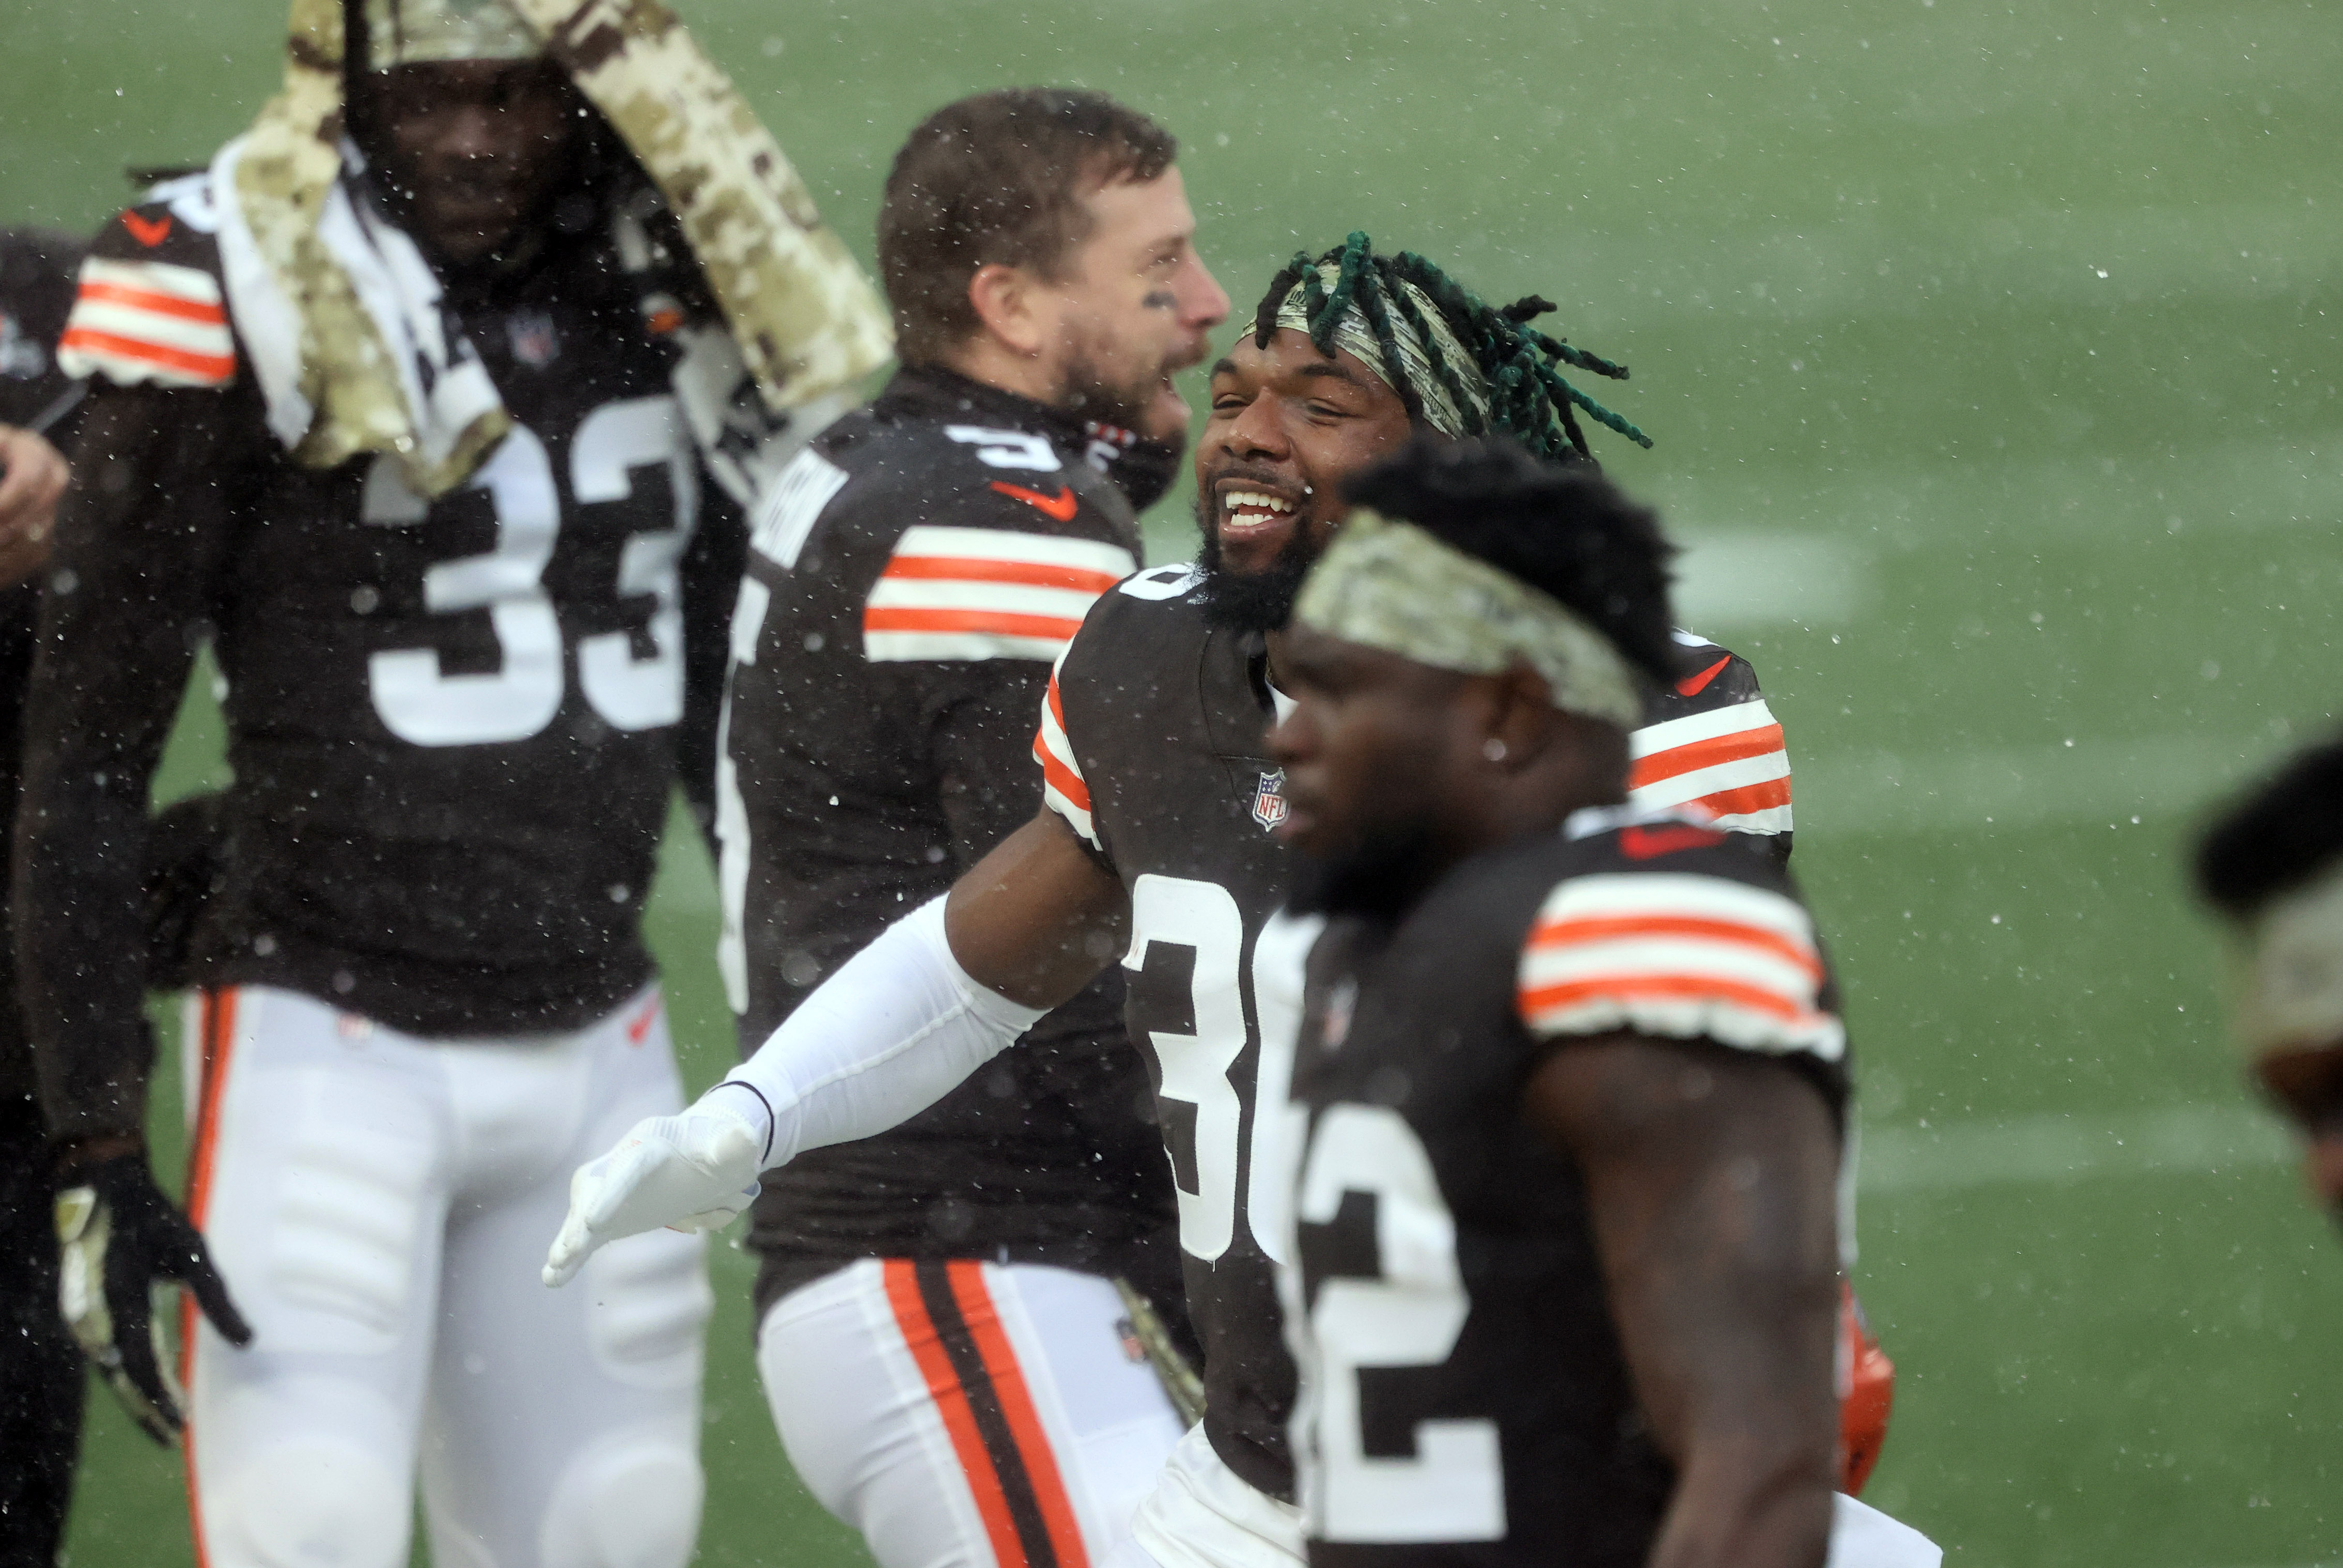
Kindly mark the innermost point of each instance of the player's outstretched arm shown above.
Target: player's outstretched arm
(1711, 1176)
(902, 1023)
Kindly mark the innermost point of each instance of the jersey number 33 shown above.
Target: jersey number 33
(424, 706)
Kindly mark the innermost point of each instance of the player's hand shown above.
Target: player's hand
(120, 1239)
(695, 1172)
(33, 475)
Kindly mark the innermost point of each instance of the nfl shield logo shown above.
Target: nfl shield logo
(1268, 799)
(533, 342)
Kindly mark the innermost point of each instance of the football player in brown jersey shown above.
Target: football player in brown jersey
(1152, 844)
(434, 405)
(2274, 865)
(1571, 1078)
(41, 1377)
(945, 1311)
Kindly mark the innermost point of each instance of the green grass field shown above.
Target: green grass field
(1995, 397)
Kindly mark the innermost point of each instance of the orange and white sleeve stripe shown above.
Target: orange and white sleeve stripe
(1729, 762)
(137, 321)
(1679, 955)
(1063, 789)
(985, 593)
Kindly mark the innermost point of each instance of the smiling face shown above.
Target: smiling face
(1288, 424)
(474, 147)
(1135, 305)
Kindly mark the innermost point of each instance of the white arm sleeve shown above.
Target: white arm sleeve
(893, 1031)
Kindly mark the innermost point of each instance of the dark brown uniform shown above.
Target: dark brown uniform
(1465, 1399)
(40, 1369)
(1152, 749)
(924, 562)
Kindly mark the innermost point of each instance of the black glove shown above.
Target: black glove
(120, 1236)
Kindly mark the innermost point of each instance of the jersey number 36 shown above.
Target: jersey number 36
(422, 705)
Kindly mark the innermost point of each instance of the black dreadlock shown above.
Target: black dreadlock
(1528, 398)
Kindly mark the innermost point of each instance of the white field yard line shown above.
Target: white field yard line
(2091, 781)
(2242, 485)
(2056, 1147)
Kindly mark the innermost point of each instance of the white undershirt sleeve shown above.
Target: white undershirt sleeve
(894, 1030)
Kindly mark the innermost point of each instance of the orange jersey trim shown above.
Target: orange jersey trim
(1569, 933)
(1054, 769)
(973, 568)
(212, 367)
(1672, 987)
(154, 301)
(1759, 796)
(999, 623)
(1694, 755)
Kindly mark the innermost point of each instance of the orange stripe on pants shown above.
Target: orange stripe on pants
(1017, 1404)
(951, 1404)
(217, 1043)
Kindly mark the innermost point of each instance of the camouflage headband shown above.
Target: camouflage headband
(2290, 991)
(1390, 585)
(1353, 334)
(425, 32)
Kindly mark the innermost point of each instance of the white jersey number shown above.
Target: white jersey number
(424, 706)
(1454, 1488)
(1203, 917)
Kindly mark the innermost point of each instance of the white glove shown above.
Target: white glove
(695, 1172)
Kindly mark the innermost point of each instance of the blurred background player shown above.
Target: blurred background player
(1153, 841)
(2273, 864)
(418, 438)
(1563, 1286)
(40, 1370)
(947, 1357)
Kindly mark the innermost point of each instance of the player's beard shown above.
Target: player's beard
(1380, 876)
(1250, 601)
(1087, 390)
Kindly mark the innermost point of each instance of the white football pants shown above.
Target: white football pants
(1202, 1515)
(379, 1206)
(967, 1414)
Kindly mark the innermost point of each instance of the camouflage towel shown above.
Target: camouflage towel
(807, 322)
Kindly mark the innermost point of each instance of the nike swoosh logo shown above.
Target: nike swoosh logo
(148, 232)
(1694, 685)
(1062, 506)
(1643, 844)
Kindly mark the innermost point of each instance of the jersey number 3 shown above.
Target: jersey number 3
(423, 705)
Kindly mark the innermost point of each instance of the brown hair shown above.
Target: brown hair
(999, 178)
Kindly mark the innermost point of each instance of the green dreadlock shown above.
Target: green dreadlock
(1528, 398)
